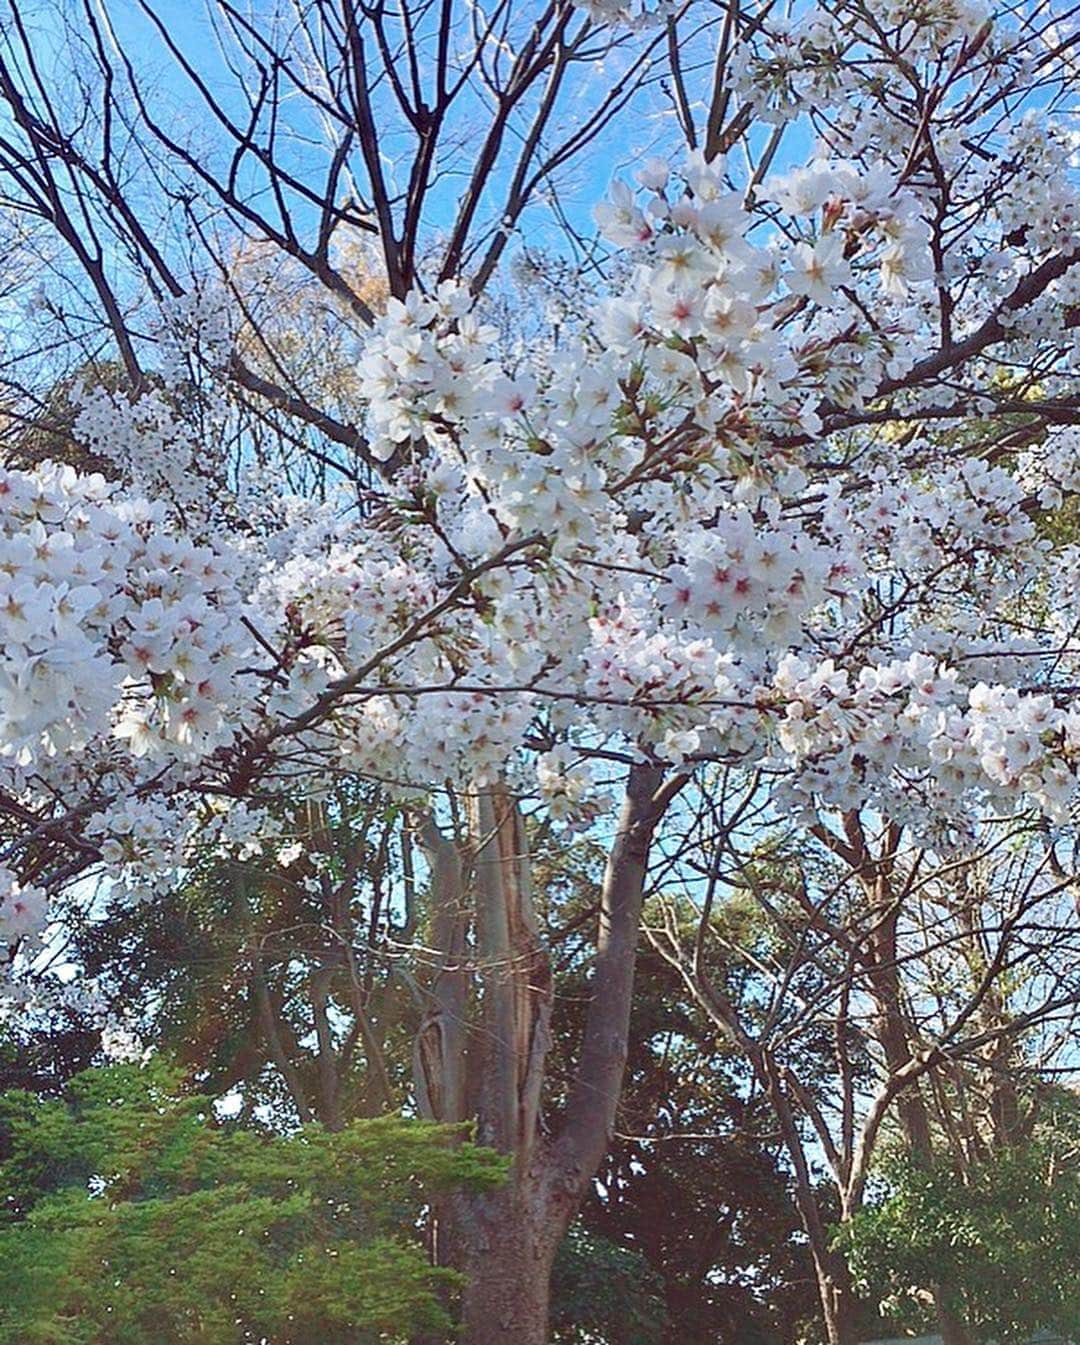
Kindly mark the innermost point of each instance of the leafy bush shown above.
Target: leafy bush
(132, 1216)
(1002, 1236)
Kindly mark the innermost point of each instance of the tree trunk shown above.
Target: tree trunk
(838, 1306)
(481, 1050)
(835, 1290)
(898, 1043)
(508, 1247)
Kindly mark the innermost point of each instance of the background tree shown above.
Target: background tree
(1005, 1223)
(894, 989)
(695, 1179)
(133, 1214)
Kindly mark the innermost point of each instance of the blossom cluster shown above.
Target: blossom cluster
(683, 532)
(156, 449)
(914, 718)
(112, 624)
(23, 912)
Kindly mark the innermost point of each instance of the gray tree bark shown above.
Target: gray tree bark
(481, 1050)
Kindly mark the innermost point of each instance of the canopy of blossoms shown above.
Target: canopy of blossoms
(679, 535)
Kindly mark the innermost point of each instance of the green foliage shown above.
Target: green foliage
(1002, 1234)
(131, 1216)
(687, 1187)
(603, 1292)
(179, 972)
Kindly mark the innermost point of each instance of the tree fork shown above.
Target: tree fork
(505, 1243)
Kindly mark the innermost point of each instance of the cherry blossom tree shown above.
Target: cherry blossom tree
(720, 510)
